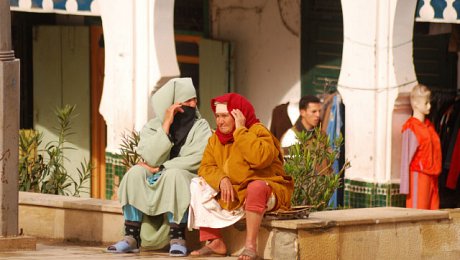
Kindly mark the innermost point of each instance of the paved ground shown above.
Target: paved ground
(47, 249)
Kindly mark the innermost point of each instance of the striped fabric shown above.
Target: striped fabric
(74, 7)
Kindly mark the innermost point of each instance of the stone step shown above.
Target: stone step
(398, 233)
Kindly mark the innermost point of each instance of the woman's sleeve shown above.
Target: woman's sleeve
(409, 147)
(209, 169)
(154, 144)
(256, 145)
(191, 152)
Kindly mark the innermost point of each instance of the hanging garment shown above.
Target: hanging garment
(334, 126)
(280, 120)
(454, 170)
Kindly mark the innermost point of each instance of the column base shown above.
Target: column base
(15, 243)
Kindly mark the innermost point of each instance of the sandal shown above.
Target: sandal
(251, 253)
(207, 251)
(177, 248)
(127, 245)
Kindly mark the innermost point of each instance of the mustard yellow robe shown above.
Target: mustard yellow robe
(255, 154)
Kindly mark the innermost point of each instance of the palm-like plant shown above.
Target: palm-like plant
(43, 170)
(310, 164)
(129, 143)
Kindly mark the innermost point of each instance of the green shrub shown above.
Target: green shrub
(43, 170)
(309, 162)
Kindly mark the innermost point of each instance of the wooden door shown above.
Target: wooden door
(98, 127)
(215, 74)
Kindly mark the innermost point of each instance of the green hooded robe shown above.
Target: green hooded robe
(171, 193)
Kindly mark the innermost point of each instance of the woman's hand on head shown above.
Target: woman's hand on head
(240, 120)
(226, 190)
(169, 116)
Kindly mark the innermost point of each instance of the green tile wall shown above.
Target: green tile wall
(360, 194)
(114, 167)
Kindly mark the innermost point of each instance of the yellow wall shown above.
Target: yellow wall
(61, 76)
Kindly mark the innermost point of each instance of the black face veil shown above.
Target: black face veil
(180, 128)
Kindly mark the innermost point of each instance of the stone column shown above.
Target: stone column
(377, 72)
(140, 55)
(9, 126)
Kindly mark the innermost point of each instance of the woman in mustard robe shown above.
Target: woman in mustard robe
(241, 173)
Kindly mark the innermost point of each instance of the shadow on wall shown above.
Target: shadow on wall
(82, 225)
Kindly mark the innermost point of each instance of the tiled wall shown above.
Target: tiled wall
(360, 194)
(113, 173)
(357, 194)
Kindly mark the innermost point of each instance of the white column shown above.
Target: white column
(9, 127)
(139, 55)
(117, 95)
(377, 65)
(155, 59)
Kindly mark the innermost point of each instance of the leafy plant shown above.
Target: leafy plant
(310, 164)
(31, 163)
(129, 143)
(43, 170)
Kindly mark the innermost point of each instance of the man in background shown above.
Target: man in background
(310, 109)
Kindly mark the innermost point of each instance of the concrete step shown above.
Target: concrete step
(54, 249)
(398, 233)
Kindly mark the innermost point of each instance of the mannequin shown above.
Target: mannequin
(421, 154)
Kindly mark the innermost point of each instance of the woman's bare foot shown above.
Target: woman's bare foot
(216, 246)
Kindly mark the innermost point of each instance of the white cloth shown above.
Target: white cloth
(221, 108)
(205, 211)
(289, 138)
(293, 111)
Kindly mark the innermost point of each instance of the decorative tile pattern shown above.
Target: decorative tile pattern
(74, 7)
(114, 171)
(360, 194)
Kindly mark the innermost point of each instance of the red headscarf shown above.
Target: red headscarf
(234, 101)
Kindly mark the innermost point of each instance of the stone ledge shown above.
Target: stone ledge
(362, 216)
(70, 218)
(68, 202)
(94, 220)
(322, 219)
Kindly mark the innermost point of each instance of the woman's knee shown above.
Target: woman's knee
(258, 187)
(258, 193)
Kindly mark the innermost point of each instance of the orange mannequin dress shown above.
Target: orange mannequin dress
(421, 164)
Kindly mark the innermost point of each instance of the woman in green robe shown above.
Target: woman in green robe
(155, 193)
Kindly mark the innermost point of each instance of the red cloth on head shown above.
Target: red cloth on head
(234, 101)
